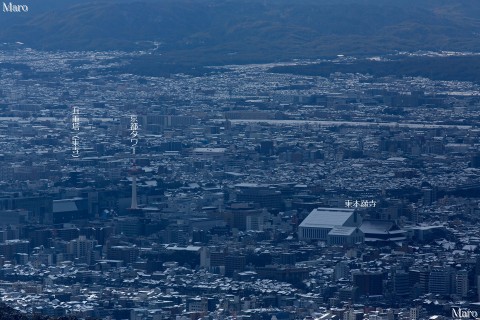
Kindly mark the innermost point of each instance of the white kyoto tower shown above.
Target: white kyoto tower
(134, 171)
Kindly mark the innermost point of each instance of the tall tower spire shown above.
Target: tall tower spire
(134, 171)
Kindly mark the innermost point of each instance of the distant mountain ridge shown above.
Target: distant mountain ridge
(236, 31)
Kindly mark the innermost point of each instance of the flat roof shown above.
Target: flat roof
(342, 231)
(327, 217)
(210, 150)
(64, 206)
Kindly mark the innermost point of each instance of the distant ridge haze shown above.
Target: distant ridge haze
(217, 32)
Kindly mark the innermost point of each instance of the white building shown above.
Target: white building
(81, 246)
(414, 313)
(209, 153)
(321, 221)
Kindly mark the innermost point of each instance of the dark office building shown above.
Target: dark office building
(401, 283)
(284, 274)
(67, 234)
(125, 253)
(287, 258)
(266, 147)
(440, 281)
(10, 248)
(369, 283)
(419, 280)
(429, 195)
(234, 264)
(40, 207)
(40, 237)
(236, 214)
(68, 210)
(264, 196)
(217, 259)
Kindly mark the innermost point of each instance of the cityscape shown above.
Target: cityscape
(256, 191)
(250, 194)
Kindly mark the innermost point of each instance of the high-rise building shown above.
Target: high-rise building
(401, 283)
(369, 283)
(266, 147)
(414, 313)
(128, 254)
(439, 282)
(81, 247)
(429, 195)
(263, 195)
(419, 280)
(234, 264)
(475, 161)
(40, 207)
(237, 216)
(461, 283)
(9, 248)
(478, 287)
(341, 270)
